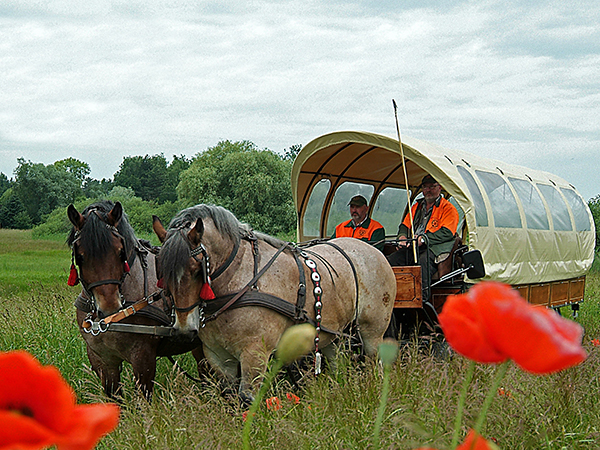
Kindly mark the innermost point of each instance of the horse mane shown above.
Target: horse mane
(95, 237)
(176, 250)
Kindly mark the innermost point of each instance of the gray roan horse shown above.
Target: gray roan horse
(340, 284)
(104, 245)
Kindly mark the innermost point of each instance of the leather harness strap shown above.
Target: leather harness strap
(251, 283)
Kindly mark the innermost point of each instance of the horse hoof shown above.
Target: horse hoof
(246, 398)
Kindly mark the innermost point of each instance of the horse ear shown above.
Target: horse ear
(159, 229)
(114, 216)
(195, 234)
(76, 219)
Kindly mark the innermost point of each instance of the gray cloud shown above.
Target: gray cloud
(101, 80)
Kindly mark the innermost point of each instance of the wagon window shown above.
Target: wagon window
(461, 215)
(339, 211)
(535, 211)
(312, 215)
(558, 208)
(502, 200)
(580, 211)
(389, 209)
(481, 218)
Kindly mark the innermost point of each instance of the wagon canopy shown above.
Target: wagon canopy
(531, 226)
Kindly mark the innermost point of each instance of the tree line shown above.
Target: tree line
(253, 183)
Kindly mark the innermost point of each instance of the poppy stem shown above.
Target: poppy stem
(274, 370)
(461, 402)
(382, 403)
(490, 395)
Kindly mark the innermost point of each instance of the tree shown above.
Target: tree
(41, 188)
(150, 177)
(12, 212)
(5, 183)
(290, 153)
(75, 167)
(253, 184)
(594, 205)
(95, 189)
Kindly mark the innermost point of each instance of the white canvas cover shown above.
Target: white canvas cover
(530, 226)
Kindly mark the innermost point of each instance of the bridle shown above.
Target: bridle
(205, 263)
(88, 287)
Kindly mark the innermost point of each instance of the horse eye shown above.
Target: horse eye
(79, 259)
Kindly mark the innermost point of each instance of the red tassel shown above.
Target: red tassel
(73, 276)
(206, 293)
(160, 283)
(126, 267)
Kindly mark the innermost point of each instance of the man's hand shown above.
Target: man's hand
(403, 242)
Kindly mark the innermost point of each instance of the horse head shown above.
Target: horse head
(100, 253)
(183, 269)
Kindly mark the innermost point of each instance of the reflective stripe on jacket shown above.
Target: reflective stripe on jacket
(369, 230)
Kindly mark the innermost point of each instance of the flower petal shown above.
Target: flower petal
(89, 424)
(27, 385)
(24, 433)
(537, 339)
(475, 441)
(463, 330)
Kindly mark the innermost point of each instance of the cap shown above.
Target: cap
(428, 179)
(357, 200)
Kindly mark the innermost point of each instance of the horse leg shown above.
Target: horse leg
(253, 362)
(224, 363)
(144, 371)
(201, 363)
(109, 372)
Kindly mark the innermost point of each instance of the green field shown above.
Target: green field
(337, 410)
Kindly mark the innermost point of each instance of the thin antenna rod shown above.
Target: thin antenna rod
(410, 216)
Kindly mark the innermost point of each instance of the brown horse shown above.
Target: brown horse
(348, 283)
(104, 245)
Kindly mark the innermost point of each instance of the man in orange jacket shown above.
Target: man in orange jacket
(361, 226)
(435, 220)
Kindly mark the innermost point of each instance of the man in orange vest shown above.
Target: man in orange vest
(361, 226)
(435, 220)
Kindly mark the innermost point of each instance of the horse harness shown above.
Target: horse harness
(210, 309)
(249, 295)
(85, 301)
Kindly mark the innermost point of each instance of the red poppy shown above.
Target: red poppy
(273, 404)
(38, 408)
(464, 330)
(596, 342)
(474, 441)
(293, 398)
(492, 323)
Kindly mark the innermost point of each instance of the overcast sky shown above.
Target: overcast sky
(98, 80)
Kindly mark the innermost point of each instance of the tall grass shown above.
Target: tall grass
(337, 410)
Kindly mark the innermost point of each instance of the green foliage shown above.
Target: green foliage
(12, 212)
(42, 189)
(4, 183)
(78, 169)
(594, 205)
(139, 213)
(150, 177)
(97, 189)
(253, 184)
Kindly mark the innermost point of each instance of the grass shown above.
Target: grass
(337, 410)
